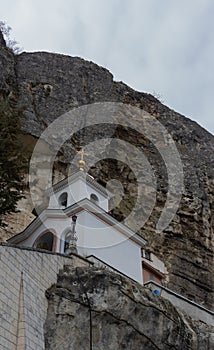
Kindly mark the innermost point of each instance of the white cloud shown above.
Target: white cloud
(164, 46)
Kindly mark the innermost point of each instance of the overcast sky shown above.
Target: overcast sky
(161, 46)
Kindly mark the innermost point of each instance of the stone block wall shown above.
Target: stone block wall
(25, 275)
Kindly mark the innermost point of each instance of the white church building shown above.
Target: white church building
(77, 221)
(74, 230)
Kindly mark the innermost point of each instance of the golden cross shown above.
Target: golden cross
(81, 161)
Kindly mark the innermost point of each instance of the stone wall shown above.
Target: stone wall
(25, 275)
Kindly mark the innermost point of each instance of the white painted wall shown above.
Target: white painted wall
(76, 192)
(55, 225)
(97, 238)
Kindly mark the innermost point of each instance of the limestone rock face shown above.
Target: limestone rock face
(124, 315)
(49, 85)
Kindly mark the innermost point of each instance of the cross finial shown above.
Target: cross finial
(81, 161)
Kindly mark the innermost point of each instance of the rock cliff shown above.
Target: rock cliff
(49, 84)
(95, 306)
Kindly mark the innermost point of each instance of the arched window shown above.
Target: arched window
(45, 241)
(63, 199)
(94, 198)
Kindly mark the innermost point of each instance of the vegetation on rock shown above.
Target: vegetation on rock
(12, 159)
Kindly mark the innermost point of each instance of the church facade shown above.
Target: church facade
(77, 221)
